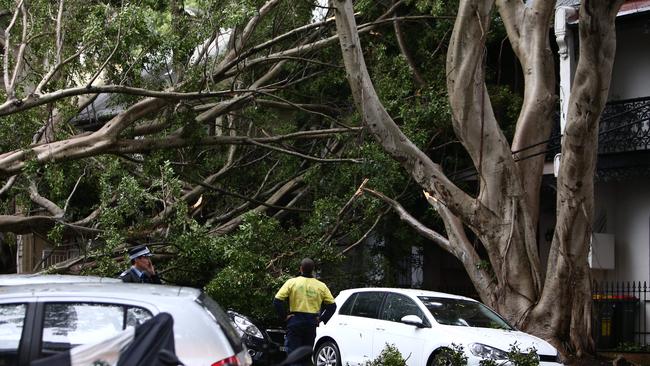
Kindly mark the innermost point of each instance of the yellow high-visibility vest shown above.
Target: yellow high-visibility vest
(305, 294)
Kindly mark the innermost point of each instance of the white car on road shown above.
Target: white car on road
(420, 324)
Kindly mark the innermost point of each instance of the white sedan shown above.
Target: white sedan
(420, 324)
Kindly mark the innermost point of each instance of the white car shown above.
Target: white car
(420, 324)
(43, 315)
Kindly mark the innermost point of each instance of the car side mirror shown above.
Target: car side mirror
(412, 320)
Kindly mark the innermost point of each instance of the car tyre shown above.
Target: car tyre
(441, 359)
(328, 355)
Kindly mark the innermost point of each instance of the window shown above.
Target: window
(398, 306)
(12, 318)
(69, 324)
(347, 306)
(462, 312)
(367, 304)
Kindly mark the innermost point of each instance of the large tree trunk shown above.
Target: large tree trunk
(567, 284)
(505, 213)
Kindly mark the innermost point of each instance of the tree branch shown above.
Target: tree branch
(345, 207)
(7, 186)
(74, 189)
(419, 80)
(426, 173)
(527, 27)
(8, 80)
(464, 251)
(19, 105)
(413, 222)
(364, 236)
(240, 42)
(117, 44)
(50, 206)
(277, 196)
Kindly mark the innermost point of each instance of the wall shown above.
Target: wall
(627, 206)
(631, 74)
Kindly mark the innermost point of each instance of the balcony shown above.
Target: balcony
(625, 126)
(623, 140)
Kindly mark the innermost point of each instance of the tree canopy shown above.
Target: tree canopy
(221, 133)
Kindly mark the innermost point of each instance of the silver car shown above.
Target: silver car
(43, 315)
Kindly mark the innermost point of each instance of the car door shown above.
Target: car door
(63, 324)
(388, 329)
(354, 326)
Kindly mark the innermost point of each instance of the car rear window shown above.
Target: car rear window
(347, 306)
(222, 319)
(367, 304)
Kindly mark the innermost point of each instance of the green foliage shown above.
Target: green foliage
(255, 261)
(389, 356)
(453, 356)
(520, 357)
(484, 265)
(55, 235)
(143, 197)
(631, 347)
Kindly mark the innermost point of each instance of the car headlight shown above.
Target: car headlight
(245, 326)
(483, 351)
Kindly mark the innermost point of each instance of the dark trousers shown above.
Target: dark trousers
(301, 331)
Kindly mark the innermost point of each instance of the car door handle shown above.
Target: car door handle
(380, 329)
(343, 323)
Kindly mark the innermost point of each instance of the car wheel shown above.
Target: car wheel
(328, 355)
(441, 359)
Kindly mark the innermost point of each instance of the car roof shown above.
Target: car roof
(406, 291)
(35, 278)
(100, 287)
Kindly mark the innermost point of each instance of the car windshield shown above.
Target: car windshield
(463, 313)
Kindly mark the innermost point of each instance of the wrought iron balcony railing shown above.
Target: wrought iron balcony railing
(625, 126)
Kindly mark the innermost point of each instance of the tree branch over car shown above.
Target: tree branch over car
(54, 79)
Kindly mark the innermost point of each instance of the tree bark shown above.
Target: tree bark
(568, 270)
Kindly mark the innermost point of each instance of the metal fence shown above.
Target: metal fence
(620, 315)
(50, 257)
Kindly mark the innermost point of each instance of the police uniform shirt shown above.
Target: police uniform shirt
(134, 275)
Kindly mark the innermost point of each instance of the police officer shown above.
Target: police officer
(142, 270)
(310, 302)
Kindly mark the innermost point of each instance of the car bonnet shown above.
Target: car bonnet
(498, 338)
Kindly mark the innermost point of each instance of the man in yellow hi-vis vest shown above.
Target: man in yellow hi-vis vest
(310, 302)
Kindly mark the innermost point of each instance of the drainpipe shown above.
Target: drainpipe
(565, 41)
